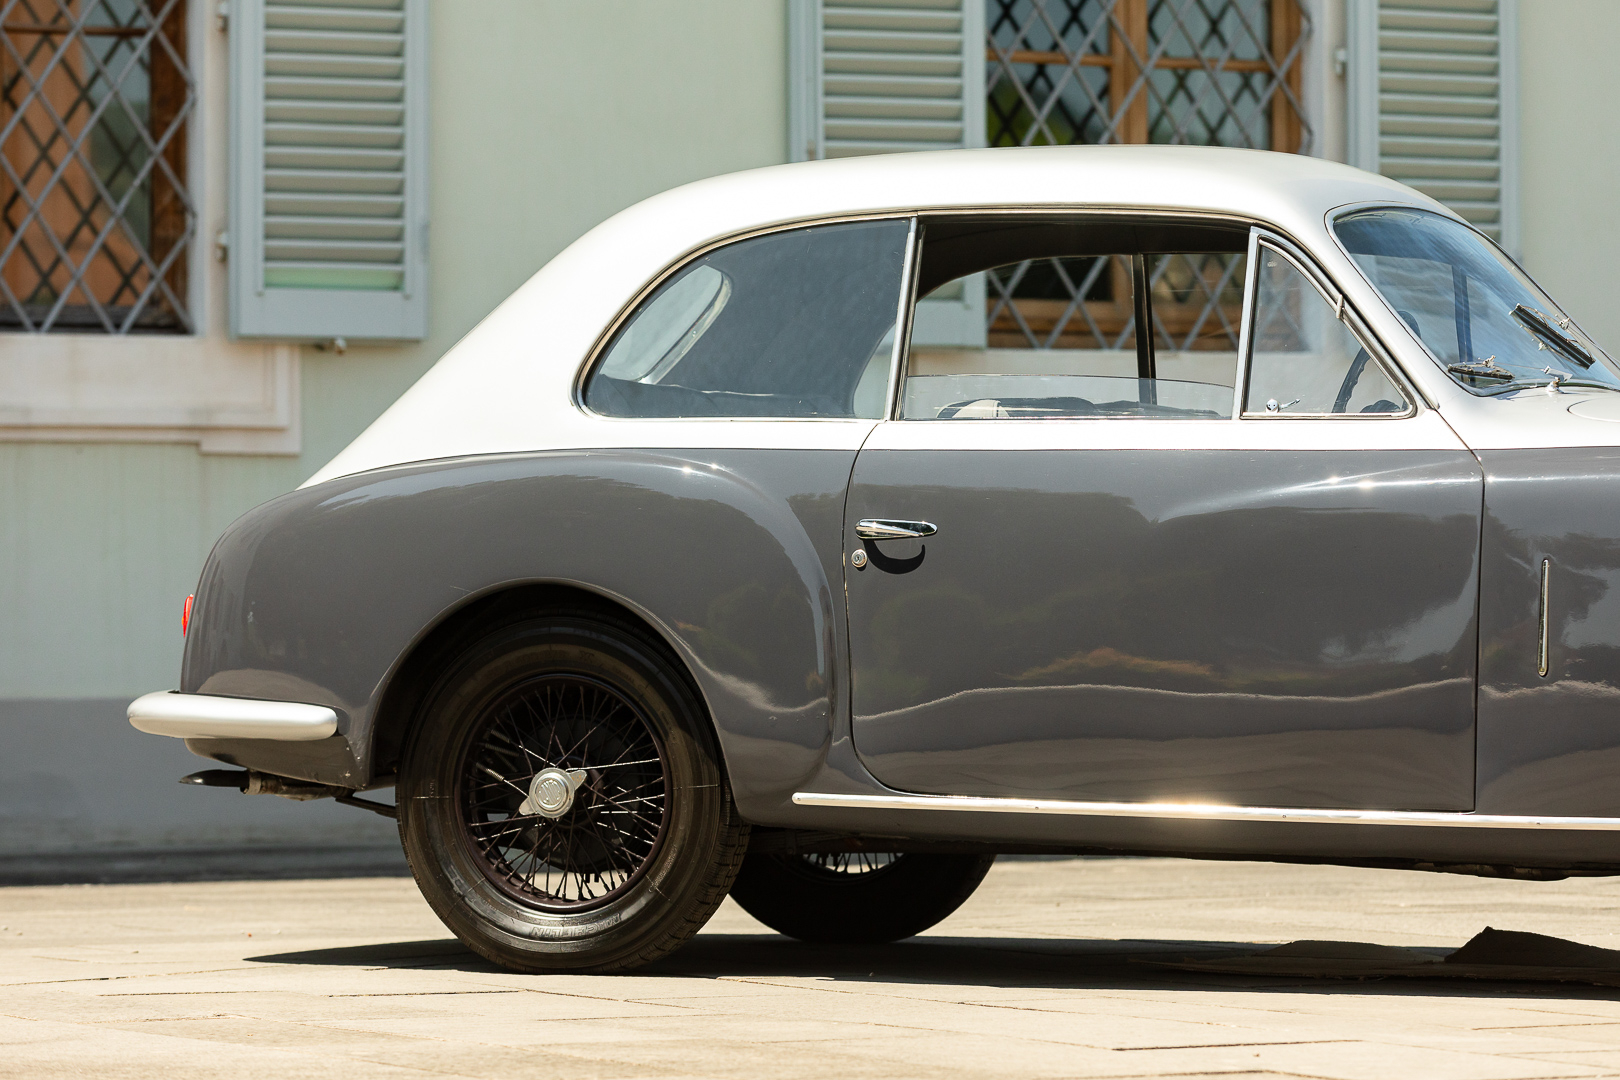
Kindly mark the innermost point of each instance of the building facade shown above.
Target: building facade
(231, 234)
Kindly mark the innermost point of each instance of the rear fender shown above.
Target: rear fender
(321, 595)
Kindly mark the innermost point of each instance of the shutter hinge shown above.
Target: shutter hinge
(222, 16)
(1341, 61)
(222, 246)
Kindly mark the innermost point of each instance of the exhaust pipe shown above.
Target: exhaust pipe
(251, 782)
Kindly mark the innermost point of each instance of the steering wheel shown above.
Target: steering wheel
(1351, 377)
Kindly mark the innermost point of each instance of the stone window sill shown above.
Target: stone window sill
(227, 397)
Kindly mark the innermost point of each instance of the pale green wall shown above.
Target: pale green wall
(547, 116)
(1570, 158)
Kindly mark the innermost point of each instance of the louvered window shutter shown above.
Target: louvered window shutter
(328, 215)
(1434, 103)
(885, 76)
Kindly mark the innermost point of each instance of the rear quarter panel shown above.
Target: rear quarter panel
(319, 595)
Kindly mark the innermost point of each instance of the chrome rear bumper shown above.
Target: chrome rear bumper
(202, 716)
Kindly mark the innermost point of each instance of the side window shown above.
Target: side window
(1305, 361)
(790, 324)
(1065, 304)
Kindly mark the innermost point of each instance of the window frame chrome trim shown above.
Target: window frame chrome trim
(1345, 311)
(1200, 812)
(597, 353)
(919, 216)
(1251, 285)
(903, 318)
(1249, 223)
(598, 349)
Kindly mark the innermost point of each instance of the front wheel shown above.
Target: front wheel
(562, 802)
(856, 898)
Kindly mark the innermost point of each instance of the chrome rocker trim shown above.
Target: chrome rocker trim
(202, 716)
(1203, 812)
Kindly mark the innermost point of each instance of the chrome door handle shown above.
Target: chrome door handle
(885, 529)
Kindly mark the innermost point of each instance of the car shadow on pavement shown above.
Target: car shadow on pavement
(1086, 963)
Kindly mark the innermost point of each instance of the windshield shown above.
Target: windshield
(1488, 324)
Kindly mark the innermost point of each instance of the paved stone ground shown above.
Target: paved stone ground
(1041, 974)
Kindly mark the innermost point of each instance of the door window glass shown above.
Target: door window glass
(791, 324)
(1305, 361)
(1064, 303)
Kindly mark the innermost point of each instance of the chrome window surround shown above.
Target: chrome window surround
(1345, 311)
(597, 352)
(1352, 208)
(903, 319)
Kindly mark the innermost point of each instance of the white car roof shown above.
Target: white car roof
(507, 386)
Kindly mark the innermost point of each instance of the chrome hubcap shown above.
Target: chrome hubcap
(551, 792)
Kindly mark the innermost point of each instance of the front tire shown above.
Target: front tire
(562, 801)
(857, 898)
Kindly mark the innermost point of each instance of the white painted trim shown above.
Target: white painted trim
(804, 80)
(1507, 61)
(1318, 83)
(201, 716)
(225, 397)
(1361, 83)
(1203, 812)
(974, 135)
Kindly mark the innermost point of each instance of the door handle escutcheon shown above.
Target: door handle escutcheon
(886, 529)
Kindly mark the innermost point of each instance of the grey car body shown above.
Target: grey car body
(1293, 638)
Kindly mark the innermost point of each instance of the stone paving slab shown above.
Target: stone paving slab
(1048, 971)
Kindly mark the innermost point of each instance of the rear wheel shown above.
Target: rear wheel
(561, 799)
(856, 897)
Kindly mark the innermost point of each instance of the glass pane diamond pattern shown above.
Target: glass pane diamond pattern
(1207, 72)
(96, 221)
(1204, 72)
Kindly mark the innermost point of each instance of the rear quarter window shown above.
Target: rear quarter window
(798, 323)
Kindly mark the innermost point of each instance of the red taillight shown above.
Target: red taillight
(185, 614)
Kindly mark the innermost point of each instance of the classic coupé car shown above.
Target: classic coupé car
(816, 533)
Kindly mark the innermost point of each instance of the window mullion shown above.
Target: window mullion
(1286, 129)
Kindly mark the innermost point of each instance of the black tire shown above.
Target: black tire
(856, 899)
(622, 868)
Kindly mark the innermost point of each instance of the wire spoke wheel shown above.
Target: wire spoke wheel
(562, 799)
(564, 792)
(850, 862)
(855, 897)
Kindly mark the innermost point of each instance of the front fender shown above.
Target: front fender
(320, 595)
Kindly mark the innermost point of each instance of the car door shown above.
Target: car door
(1126, 567)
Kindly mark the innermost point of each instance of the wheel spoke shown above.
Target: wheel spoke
(599, 842)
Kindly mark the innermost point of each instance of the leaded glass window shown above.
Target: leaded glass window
(96, 219)
(1203, 72)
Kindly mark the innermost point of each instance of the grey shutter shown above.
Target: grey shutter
(885, 76)
(328, 214)
(1434, 103)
